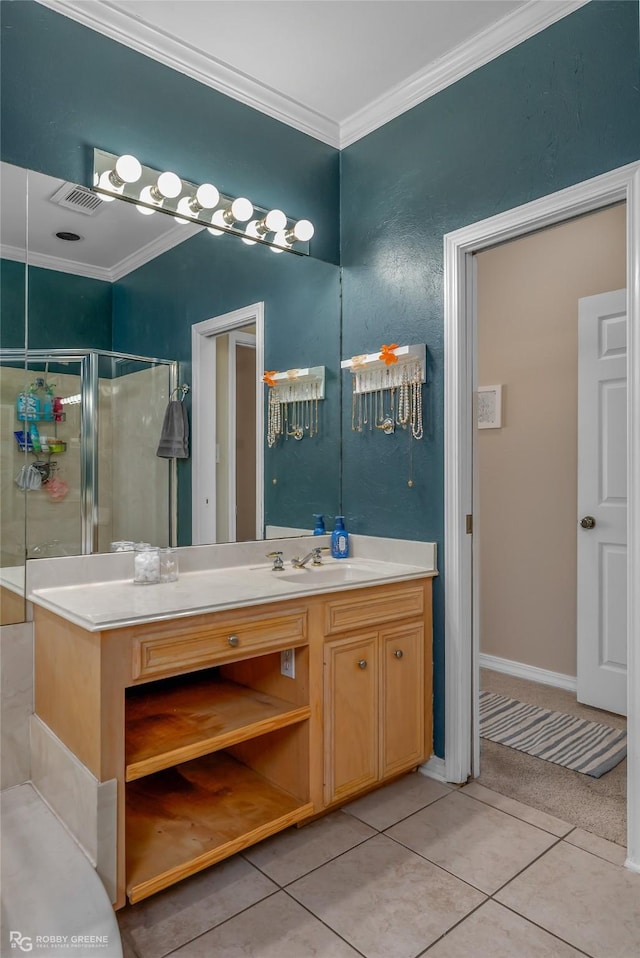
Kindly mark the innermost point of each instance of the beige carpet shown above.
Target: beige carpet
(597, 805)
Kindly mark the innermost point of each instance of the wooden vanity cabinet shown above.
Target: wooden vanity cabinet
(377, 718)
(212, 748)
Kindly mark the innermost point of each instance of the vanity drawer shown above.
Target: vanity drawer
(370, 607)
(156, 653)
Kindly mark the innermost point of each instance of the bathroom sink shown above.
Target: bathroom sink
(330, 573)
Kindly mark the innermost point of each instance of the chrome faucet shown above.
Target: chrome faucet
(315, 554)
(278, 564)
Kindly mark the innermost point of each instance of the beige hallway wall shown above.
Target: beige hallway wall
(528, 292)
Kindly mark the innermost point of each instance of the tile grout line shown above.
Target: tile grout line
(476, 798)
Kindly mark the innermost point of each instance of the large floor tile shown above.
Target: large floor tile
(533, 816)
(479, 844)
(163, 922)
(597, 846)
(495, 932)
(385, 900)
(585, 900)
(275, 928)
(293, 853)
(396, 801)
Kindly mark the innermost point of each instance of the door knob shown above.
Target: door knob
(587, 522)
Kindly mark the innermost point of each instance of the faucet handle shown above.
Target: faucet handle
(278, 564)
(317, 554)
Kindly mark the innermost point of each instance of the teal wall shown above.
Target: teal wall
(203, 278)
(64, 309)
(556, 110)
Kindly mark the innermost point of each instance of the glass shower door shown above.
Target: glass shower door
(51, 433)
(134, 486)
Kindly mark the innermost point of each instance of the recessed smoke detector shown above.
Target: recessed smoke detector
(78, 198)
(69, 237)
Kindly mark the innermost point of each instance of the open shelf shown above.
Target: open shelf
(169, 724)
(183, 819)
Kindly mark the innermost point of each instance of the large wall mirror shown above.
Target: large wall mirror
(99, 305)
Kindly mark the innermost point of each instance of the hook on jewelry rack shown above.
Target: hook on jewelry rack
(183, 389)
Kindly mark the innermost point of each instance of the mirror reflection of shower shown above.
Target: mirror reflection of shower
(86, 423)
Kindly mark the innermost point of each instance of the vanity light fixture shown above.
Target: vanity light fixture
(200, 205)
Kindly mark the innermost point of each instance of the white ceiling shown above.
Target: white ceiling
(115, 240)
(335, 69)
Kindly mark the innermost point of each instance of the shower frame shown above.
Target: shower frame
(88, 360)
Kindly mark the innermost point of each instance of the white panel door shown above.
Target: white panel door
(602, 502)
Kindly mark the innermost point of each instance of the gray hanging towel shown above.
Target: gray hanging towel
(174, 438)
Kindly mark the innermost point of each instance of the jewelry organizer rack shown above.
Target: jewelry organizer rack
(293, 402)
(387, 389)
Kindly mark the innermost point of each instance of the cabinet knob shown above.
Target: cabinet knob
(234, 641)
(398, 653)
(362, 664)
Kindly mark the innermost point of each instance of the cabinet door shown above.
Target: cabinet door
(402, 699)
(350, 716)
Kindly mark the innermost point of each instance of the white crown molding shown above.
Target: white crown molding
(116, 23)
(109, 274)
(55, 263)
(475, 52)
(155, 248)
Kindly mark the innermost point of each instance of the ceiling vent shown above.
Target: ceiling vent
(78, 198)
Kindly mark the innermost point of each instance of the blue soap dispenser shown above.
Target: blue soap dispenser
(318, 525)
(339, 540)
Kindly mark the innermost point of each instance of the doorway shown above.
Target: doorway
(528, 292)
(461, 640)
(228, 415)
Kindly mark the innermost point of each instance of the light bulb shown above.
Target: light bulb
(276, 249)
(242, 209)
(275, 220)
(146, 197)
(207, 196)
(184, 207)
(128, 168)
(105, 184)
(218, 220)
(303, 231)
(250, 232)
(168, 186)
(281, 239)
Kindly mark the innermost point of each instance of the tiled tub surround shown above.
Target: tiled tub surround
(74, 766)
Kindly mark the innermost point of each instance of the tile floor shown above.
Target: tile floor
(415, 868)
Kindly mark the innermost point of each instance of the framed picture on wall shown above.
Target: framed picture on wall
(489, 407)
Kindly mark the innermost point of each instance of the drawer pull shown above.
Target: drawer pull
(398, 653)
(362, 664)
(234, 641)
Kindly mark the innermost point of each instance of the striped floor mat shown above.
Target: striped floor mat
(564, 739)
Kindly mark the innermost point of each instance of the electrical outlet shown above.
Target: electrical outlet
(288, 663)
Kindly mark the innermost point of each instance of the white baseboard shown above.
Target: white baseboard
(632, 866)
(530, 672)
(434, 768)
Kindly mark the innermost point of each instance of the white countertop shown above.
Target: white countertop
(110, 601)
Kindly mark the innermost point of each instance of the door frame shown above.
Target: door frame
(203, 420)
(460, 383)
(236, 338)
